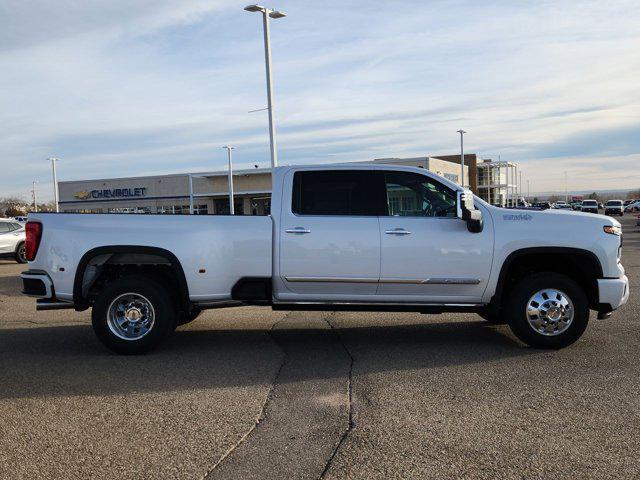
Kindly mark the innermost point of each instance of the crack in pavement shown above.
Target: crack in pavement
(303, 419)
(263, 409)
(351, 424)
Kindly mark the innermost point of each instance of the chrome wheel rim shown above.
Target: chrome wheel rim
(22, 253)
(130, 316)
(550, 312)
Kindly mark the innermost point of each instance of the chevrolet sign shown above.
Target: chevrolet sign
(112, 193)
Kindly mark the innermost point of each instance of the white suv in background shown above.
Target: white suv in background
(12, 237)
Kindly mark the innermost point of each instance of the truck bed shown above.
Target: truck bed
(215, 251)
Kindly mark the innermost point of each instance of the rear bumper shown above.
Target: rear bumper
(37, 284)
(613, 292)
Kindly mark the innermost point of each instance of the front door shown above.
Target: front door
(428, 255)
(329, 235)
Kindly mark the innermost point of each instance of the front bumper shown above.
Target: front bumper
(613, 292)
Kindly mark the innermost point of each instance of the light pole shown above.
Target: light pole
(33, 194)
(520, 192)
(528, 191)
(55, 182)
(231, 206)
(566, 194)
(266, 14)
(462, 132)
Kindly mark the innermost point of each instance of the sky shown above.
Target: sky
(120, 88)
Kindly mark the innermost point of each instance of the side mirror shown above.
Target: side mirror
(467, 211)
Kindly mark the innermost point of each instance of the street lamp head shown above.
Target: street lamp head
(277, 14)
(461, 131)
(254, 8)
(229, 147)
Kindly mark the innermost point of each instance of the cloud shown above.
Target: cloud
(128, 88)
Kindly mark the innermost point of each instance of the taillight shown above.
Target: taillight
(32, 243)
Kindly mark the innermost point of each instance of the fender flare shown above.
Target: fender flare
(183, 288)
(523, 252)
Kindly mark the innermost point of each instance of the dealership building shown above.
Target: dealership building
(207, 192)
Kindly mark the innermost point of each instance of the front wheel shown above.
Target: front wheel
(133, 315)
(548, 310)
(21, 255)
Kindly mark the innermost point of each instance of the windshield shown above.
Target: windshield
(589, 202)
(614, 203)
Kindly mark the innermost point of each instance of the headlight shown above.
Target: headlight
(612, 229)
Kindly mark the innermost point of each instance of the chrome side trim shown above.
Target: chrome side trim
(331, 279)
(453, 281)
(405, 281)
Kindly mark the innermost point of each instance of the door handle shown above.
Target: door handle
(298, 230)
(398, 231)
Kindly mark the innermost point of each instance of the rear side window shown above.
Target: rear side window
(4, 227)
(338, 192)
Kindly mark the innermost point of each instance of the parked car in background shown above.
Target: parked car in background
(633, 207)
(589, 206)
(21, 219)
(12, 237)
(576, 206)
(614, 207)
(562, 205)
(600, 206)
(629, 201)
(542, 205)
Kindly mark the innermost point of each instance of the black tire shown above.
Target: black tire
(164, 314)
(185, 318)
(20, 254)
(523, 291)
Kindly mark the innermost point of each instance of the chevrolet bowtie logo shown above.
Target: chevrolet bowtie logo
(83, 195)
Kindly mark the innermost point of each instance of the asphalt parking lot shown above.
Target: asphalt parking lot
(251, 393)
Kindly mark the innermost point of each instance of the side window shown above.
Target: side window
(4, 227)
(338, 192)
(414, 195)
(16, 226)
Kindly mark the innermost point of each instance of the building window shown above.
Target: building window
(200, 209)
(451, 176)
(222, 206)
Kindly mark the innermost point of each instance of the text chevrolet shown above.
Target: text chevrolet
(366, 237)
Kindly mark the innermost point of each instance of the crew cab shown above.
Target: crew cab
(339, 237)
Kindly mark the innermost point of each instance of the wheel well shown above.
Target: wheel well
(581, 266)
(103, 265)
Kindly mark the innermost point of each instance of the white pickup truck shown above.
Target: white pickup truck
(340, 237)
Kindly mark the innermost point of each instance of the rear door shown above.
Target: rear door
(329, 234)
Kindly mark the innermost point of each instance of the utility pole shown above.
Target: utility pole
(33, 194)
(266, 14)
(230, 173)
(462, 132)
(55, 182)
(566, 194)
(528, 191)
